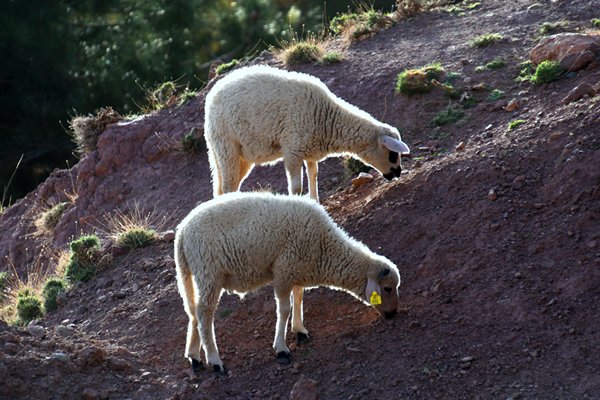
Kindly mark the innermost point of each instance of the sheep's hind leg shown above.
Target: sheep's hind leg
(297, 316)
(293, 169)
(192, 343)
(283, 313)
(312, 170)
(205, 312)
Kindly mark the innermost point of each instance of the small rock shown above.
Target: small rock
(90, 394)
(492, 195)
(64, 331)
(518, 182)
(579, 92)
(91, 356)
(362, 178)
(467, 359)
(460, 147)
(512, 105)
(305, 389)
(59, 356)
(117, 364)
(554, 137)
(36, 331)
(167, 236)
(10, 348)
(591, 244)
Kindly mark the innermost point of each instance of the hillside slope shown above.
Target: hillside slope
(497, 243)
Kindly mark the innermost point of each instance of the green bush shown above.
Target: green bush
(420, 80)
(82, 263)
(51, 289)
(29, 307)
(547, 71)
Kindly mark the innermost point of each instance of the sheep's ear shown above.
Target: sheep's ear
(394, 145)
(373, 292)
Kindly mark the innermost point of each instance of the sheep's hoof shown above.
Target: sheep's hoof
(302, 338)
(284, 358)
(220, 369)
(197, 366)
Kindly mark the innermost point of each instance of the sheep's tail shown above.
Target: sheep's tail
(185, 281)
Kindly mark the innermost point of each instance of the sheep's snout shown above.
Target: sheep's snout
(394, 173)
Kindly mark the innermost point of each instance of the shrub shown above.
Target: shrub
(51, 289)
(221, 69)
(84, 256)
(29, 307)
(547, 71)
(448, 116)
(486, 40)
(515, 123)
(415, 81)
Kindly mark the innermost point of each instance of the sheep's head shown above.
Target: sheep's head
(382, 291)
(384, 153)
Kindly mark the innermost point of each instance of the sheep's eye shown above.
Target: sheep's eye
(387, 289)
(393, 157)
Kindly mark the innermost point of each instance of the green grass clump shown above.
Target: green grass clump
(550, 28)
(420, 80)
(136, 237)
(596, 22)
(496, 63)
(526, 71)
(302, 52)
(448, 116)
(164, 95)
(221, 69)
(186, 95)
(83, 259)
(3, 285)
(495, 95)
(486, 40)
(356, 25)
(52, 288)
(29, 307)
(331, 57)
(352, 166)
(515, 123)
(48, 219)
(547, 71)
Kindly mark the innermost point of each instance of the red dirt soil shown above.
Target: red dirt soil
(498, 244)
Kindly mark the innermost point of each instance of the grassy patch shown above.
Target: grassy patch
(331, 57)
(354, 26)
(547, 71)
(515, 123)
(420, 80)
(221, 69)
(486, 40)
(85, 254)
(550, 28)
(449, 115)
(133, 228)
(495, 95)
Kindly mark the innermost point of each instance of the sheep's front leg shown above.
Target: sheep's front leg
(293, 169)
(297, 317)
(282, 297)
(312, 170)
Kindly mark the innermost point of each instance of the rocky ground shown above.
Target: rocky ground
(494, 230)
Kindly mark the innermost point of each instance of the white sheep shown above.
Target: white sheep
(240, 242)
(259, 115)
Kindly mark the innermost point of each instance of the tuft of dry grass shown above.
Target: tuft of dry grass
(47, 219)
(300, 51)
(134, 227)
(85, 130)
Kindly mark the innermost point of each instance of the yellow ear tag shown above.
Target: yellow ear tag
(375, 298)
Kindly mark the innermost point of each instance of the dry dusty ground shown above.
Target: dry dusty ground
(500, 295)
